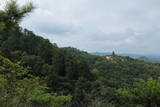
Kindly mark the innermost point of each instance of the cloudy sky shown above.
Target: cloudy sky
(125, 26)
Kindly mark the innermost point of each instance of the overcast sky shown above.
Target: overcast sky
(125, 26)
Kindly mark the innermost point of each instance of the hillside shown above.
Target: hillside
(148, 57)
(124, 71)
(37, 73)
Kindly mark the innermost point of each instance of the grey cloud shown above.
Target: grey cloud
(114, 36)
(128, 26)
(57, 29)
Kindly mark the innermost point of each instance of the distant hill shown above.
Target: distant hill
(145, 57)
(123, 68)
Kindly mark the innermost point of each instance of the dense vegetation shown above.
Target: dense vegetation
(37, 73)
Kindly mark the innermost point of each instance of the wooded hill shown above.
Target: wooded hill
(37, 73)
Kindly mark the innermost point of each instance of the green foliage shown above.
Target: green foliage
(124, 71)
(12, 78)
(41, 99)
(113, 72)
(145, 93)
(36, 69)
(17, 89)
(15, 13)
(81, 93)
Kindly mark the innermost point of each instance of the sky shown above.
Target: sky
(123, 26)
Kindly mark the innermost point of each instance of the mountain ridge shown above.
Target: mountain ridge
(148, 57)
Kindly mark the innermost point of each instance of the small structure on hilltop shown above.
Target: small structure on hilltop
(113, 53)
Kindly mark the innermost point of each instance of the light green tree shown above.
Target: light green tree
(146, 94)
(18, 89)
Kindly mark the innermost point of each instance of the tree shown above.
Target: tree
(113, 53)
(10, 18)
(12, 14)
(146, 94)
(81, 93)
(18, 89)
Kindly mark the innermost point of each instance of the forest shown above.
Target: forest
(37, 73)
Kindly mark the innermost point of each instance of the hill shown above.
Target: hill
(37, 73)
(149, 57)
